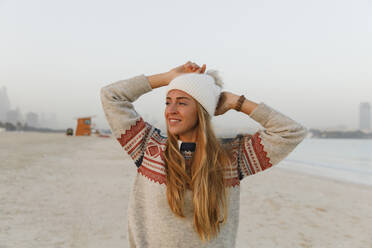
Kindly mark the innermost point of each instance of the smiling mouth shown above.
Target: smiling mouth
(173, 121)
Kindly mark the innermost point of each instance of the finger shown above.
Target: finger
(188, 66)
(203, 68)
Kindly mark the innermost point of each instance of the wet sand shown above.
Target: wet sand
(59, 191)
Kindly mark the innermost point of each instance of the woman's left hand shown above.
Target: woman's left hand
(225, 102)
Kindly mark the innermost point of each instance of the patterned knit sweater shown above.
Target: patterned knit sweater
(151, 223)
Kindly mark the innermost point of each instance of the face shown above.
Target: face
(181, 115)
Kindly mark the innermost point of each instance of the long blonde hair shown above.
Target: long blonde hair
(206, 180)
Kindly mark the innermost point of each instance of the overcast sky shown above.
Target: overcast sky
(311, 60)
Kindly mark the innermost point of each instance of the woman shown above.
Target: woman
(186, 192)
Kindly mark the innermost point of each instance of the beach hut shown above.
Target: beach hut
(83, 127)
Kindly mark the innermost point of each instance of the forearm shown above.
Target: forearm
(269, 145)
(159, 80)
(247, 107)
(117, 99)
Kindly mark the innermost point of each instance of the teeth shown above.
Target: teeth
(174, 120)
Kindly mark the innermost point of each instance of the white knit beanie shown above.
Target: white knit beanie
(205, 88)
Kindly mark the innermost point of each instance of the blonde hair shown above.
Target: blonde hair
(206, 180)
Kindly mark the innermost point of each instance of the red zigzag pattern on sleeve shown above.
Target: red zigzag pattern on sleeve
(133, 131)
(263, 159)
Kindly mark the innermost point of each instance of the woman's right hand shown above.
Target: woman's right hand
(188, 67)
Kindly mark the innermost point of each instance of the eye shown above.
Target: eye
(182, 103)
(166, 103)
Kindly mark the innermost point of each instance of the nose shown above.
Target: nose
(171, 108)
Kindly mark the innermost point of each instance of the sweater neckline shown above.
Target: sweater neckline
(186, 146)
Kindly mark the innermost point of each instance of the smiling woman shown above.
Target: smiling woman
(186, 192)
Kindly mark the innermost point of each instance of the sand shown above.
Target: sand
(59, 191)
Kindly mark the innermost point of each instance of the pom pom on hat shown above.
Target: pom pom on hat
(216, 77)
(204, 88)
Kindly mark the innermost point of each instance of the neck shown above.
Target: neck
(189, 136)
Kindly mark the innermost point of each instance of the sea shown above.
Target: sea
(340, 159)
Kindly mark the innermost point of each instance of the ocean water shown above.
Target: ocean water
(341, 159)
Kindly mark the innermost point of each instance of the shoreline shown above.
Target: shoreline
(300, 171)
(326, 178)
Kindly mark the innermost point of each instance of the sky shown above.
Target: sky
(310, 60)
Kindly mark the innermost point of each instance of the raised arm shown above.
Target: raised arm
(126, 124)
(128, 127)
(268, 146)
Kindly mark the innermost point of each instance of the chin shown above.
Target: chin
(174, 131)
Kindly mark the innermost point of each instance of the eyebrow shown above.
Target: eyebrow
(180, 97)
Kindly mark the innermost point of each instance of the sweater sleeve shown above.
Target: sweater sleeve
(128, 127)
(268, 146)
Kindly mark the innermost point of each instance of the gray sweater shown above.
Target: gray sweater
(151, 223)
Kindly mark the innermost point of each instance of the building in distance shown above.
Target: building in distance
(365, 116)
(32, 119)
(4, 104)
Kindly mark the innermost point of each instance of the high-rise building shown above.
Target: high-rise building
(4, 104)
(365, 116)
(32, 119)
(14, 116)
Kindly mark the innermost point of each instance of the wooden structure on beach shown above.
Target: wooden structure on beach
(83, 127)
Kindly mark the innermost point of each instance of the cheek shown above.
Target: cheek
(192, 117)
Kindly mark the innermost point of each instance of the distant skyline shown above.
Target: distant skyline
(310, 60)
(50, 120)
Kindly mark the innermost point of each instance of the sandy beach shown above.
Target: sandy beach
(59, 191)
